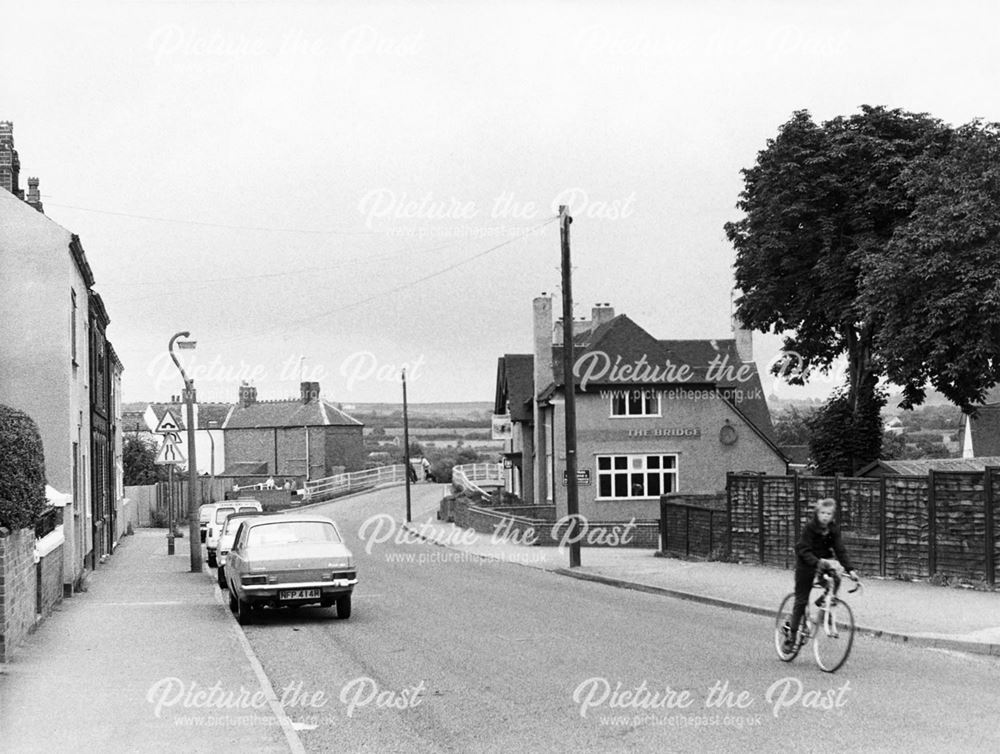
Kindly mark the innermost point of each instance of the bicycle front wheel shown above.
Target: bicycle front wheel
(783, 616)
(833, 637)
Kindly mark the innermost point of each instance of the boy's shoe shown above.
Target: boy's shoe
(789, 646)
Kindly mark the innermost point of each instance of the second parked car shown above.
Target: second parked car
(218, 518)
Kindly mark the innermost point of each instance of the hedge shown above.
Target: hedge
(22, 470)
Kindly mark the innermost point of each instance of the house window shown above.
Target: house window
(635, 476)
(72, 326)
(635, 402)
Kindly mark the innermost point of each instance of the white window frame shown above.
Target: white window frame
(637, 463)
(647, 396)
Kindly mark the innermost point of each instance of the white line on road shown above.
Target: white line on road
(287, 726)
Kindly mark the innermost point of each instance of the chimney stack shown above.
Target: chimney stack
(248, 395)
(10, 164)
(600, 314)
(34, 198)
(309, 391)
(543, 341)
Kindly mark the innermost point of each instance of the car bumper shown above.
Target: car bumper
(269, 593)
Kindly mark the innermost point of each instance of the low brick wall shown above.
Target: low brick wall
(17, 589)
(49, 573)
(540, 532)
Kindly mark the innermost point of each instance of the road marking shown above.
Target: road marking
(287, 726)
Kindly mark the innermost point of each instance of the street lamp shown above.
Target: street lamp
(189, 397)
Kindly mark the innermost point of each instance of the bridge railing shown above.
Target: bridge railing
(317, 490)
(473, 477)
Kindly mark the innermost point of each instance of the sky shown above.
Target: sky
(337, 190)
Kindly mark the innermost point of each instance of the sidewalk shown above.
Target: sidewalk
(120, 667)
(917, 613)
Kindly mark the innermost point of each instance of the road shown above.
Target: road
(450, 653)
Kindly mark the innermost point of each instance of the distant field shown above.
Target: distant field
(478, 412)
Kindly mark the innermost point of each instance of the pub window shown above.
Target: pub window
(636, 476)
(635, 402)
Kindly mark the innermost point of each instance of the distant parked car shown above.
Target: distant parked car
(226, 539)
(204, 516)
(219, 515)
(289, 560)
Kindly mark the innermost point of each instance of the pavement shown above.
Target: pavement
(156, 643)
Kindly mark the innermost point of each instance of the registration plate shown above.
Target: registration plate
(298, 594)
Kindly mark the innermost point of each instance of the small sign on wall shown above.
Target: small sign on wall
(502, 427)
(582, 477)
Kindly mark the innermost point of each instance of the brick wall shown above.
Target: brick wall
(17, 589)
(643, 535)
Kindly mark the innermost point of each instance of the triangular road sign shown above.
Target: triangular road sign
(167, 423)
(169, 453)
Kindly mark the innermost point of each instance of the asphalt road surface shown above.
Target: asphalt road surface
(445, 652)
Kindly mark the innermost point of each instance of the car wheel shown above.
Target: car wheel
(232, 600)
(344, 607)
(212, 562)
(222, 578)
(243, 616)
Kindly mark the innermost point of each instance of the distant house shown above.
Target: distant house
(922, 466)
(275, 438)
(981, 435)
(653, 416)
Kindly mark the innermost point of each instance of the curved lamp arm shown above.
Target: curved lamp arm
(170, 348)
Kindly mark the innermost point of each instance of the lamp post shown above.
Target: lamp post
(189, 398)
(406, 450)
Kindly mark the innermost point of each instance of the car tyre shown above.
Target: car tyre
(344, 607)
(232, 600)
(222, 578)
(212, 562)
(243, 616)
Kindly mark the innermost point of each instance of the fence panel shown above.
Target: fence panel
(906, 527)
(779, 525)
(960, 522)
(744, 517)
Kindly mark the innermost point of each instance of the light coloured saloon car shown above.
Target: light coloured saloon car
(289, 560)
(217, 520)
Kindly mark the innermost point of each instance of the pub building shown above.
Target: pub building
(652, 416)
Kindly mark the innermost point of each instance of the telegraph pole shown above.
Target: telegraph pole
(406, 450)
(572, 499)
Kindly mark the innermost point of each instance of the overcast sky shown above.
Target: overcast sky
(279, 177)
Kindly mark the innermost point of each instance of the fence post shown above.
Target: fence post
(931, 525)
(836, 496)
(990, 566)
(760, 515)
(729, 508)
(882, 488)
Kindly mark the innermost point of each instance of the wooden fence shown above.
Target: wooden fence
(152, 499)
(903, 526)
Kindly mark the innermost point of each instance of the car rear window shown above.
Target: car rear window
(222, 513)
(292, 532)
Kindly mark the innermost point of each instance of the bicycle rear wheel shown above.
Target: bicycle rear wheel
(833, 638)
(784, 615)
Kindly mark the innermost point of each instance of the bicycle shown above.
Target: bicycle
(828, 621)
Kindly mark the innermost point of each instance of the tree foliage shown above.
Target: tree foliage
(791, 427)
(138, 459)
(873, 237)
(22, 470)
(840, 435)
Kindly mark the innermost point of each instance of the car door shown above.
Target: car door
(234, 561)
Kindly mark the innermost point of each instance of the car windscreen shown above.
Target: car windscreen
(222, 513)
(232, 524)
(292, 532)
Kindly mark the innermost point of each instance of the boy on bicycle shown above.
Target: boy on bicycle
(819, 543)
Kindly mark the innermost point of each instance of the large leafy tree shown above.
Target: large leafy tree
(139, 461)
(834, 213)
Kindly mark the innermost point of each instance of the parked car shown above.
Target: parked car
(226, 539)
(204, 516)
(289, 560)
(219, 515)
